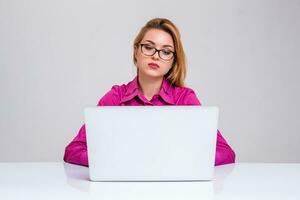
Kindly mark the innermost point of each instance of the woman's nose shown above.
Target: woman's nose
(155, 56)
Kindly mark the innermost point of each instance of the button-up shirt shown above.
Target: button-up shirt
(130, 95)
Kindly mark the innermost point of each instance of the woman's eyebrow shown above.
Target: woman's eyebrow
(150, 41)
(166, 45)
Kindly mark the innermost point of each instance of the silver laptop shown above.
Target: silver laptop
(151, 143)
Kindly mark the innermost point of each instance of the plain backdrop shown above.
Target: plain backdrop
(59, 56)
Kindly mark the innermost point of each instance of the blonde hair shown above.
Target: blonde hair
(177, 73)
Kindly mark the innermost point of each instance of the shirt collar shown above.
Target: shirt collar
(132, 90)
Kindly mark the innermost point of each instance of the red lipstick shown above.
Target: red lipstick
(153, 65)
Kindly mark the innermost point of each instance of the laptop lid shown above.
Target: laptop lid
(151, 143)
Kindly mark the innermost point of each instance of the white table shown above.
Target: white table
(65, 181)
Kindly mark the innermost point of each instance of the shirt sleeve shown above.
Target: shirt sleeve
(76, 150)
(224, 153)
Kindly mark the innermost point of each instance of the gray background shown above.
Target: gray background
(59, 56)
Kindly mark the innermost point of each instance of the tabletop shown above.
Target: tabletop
(49, 180)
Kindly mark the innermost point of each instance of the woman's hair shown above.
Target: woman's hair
(177, 73)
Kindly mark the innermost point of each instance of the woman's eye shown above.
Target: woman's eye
(166, 52)
(148, 47)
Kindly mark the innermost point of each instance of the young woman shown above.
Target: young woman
(161, 70)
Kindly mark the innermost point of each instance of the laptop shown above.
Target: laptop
(151, 143)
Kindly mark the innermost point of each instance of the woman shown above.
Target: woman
(161, 70)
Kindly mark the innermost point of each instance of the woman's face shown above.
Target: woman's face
(154, 66)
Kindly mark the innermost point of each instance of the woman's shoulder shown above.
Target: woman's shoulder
(114, 95)
(122, 89)
(182, 90)
(185, 95)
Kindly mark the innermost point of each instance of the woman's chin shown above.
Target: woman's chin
(153, 74)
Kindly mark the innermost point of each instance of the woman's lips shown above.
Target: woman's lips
(153, 65)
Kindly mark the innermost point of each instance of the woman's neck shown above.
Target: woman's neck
(149, 86)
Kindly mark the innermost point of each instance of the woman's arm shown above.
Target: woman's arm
(224, 153)
(76, 150)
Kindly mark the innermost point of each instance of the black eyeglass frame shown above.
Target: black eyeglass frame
(156, 50)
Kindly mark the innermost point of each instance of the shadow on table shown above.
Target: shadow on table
(77, 176)
(220, 175)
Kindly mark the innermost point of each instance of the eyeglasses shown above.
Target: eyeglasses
(164, 54)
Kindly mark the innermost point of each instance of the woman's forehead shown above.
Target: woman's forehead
(158, 37)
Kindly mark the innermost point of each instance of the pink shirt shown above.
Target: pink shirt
(130, 95)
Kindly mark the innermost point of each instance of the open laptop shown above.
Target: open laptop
(151, 143)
